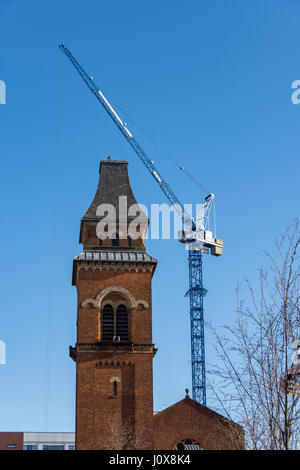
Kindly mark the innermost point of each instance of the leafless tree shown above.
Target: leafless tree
(252, 381)
(228, 435)
(121, 436)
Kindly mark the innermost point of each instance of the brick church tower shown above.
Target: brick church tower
(114, 351)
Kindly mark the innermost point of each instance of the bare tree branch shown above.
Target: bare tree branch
(251, 382)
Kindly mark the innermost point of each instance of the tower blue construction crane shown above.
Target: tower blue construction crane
(195, 235)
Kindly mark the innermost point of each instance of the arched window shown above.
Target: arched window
(114, 323)
(188, 444)
(107, 323)
(122, 323)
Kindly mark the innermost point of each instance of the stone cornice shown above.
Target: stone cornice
(110, 266)
(108, 348)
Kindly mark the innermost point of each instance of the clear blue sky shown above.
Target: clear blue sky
(211, 82)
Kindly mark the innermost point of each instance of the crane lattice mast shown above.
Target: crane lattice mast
(195, 235)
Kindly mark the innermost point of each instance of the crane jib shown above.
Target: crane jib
(196, 291)
(126, 133)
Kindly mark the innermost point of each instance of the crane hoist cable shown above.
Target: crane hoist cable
(179, 165)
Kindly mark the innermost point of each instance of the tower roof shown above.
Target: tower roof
(112, 203)
(113, 183)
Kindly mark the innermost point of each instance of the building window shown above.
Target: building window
(129, 242)
(115, 388)
(114, 323)
(53, 447)
(188, 444)
(30, 447)
(71, 447)
(11, 446)
(122, 323)
(107, 323)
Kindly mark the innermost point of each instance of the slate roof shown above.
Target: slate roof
(113, 182)
(113, 255)
(107, 256)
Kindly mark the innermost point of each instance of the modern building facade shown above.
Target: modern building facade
(37, 441)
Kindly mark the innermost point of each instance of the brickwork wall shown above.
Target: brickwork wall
(89, 285)
(189, 420)
(99, 415)
(98, 412)
(11, 438)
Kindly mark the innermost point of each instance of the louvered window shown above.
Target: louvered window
(122, 323)
(107, 323)
(114, 324)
